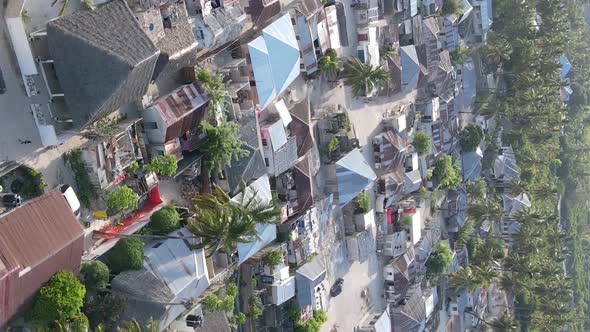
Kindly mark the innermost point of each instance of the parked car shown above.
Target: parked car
(10, 200)
(70, 196)
(2, 83)
(337, 287)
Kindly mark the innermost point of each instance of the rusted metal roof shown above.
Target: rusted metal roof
(182, 110)
(34, 232)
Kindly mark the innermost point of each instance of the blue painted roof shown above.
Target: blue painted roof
(410, 67)
(471, 165)
(353, 174)
(486, 15)
(275, 59)
(565, 66)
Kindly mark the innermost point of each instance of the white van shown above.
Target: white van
(70, 196)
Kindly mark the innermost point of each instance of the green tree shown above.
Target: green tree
(330, 66)
(439, 259)
(122, 198)
(238, 319)
(273, 258)
(95, 274)
(215, 88)
(104, 309)
(421, 143)
(363, 202)
(134, 326)
(61, 299)
(451, 7)
(460, 55)
(255, 307)
(126, 255)
(447, 172)
(222, 224)
(164, 221)
(364, 79)
(212, 302)
(470, 137)
(106, 127)
(313, 324)
(223, 146)
(164, 165)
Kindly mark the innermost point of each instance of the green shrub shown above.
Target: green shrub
(333, 144)
(133, 167)
(421, 143)
(406, 220)
(86, 191)
(33, 184)
(164, 165)
(363, 202)
(164, 221)
(122, 198)
(126, 255)
(96, 274)
(61, 299)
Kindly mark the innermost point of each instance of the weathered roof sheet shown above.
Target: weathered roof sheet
(32, 233)
(309, 7)
(301, 126)
(275, 59)
(312, 270)
(411, 316)
(112, 64)
(353, 174)
(182, 109)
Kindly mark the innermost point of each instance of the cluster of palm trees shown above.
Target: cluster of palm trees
(363, 78)
(527, 59)
(221, 223)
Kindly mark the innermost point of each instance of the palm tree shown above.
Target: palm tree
(64, 5)
(487, 209)
(363, 78)
(134, 326)
(221, 224)
(465, 278)
(503, 324)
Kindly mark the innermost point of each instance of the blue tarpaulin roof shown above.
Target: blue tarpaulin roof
(354, 174)
(275, 59)
(565, 66)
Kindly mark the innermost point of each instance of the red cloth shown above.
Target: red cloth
(389, 216)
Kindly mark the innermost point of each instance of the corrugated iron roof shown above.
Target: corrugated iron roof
(34, 232)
